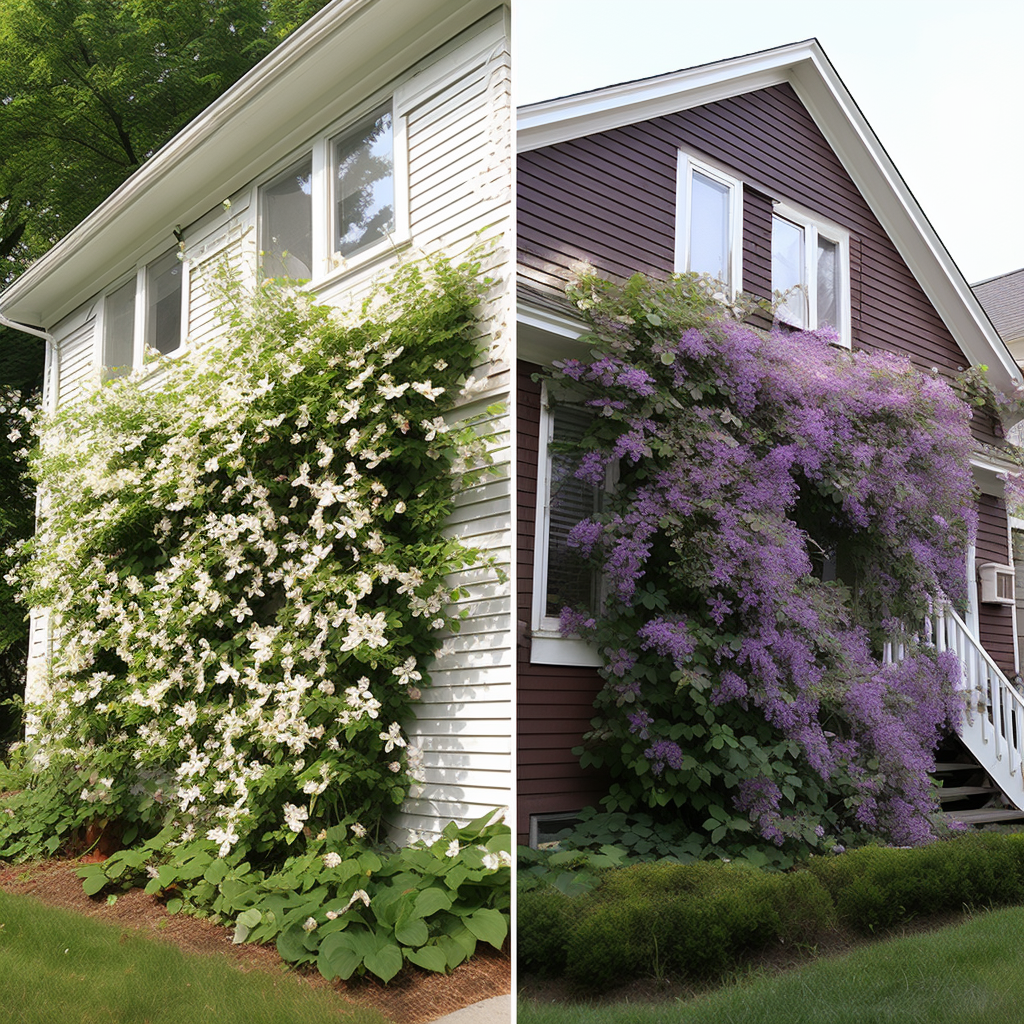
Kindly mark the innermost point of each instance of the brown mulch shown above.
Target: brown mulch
(414, 996)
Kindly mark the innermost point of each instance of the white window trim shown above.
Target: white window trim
(686, 165)
(328, 266)
(813, 225)
(549, 646)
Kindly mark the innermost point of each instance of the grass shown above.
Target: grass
(59, 966)
(967, 973)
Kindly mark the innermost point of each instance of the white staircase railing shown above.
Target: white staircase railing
(994, 708)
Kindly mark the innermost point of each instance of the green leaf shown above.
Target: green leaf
(430, 901)
(488, 926)
(250, 918)
(338, 958)
(94, 883)
(430, 958)
(454, 952)
(385, 963)
(291, 945)
(411, 932)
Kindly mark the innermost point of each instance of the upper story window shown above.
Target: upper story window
(143, 313)
(811, 268)
(286, 222)
(353, 174)
(709, 221)
(362, 163)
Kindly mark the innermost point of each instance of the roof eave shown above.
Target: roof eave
(236, 137)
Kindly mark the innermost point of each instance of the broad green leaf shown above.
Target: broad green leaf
(94, 883)
(250, 918)
(338, 958)
(411, 932)
(291, 945)
(430, 901)
(385, 963)
(430, 958)
(488, 926)
(454, 952)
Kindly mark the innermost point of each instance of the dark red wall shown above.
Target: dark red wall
(610, 199)
(554, 704)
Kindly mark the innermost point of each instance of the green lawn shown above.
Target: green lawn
(971, 972)
(60, 968)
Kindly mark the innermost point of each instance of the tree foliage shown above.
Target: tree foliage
(783, 509)
(92, 88)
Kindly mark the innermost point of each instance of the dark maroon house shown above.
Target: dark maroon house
(762, 172)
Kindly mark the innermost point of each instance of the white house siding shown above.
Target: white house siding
(456, 110)
(459, 136)
(78, 361)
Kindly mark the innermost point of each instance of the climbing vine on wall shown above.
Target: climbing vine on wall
(782, 507)
(244, 558)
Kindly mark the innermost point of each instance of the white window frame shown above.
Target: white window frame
(328, 265)
(548, 645)
(685, 167)
(139, 339)
(812, 226)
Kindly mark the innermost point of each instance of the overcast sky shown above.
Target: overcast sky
(941, 83)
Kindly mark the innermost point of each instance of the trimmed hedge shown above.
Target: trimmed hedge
(696, 921)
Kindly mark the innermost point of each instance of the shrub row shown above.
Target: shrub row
(695, 921)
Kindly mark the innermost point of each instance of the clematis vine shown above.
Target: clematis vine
(244, 557)
(783, 507)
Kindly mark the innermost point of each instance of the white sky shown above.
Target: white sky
(941, 82)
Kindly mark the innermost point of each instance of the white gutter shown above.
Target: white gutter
(51, 360)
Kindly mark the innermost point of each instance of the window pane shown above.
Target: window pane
(569, 581)
(828, 283)
(364, 184)
(119, 330)
(286, 223)
(163, 302)
(709, 228)
(788, 271)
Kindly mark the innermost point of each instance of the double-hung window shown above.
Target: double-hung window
(709, 219)
(143, 315)
(351, 174)
(811, 271)
(561, 577)
(363, 180)
(286, 222)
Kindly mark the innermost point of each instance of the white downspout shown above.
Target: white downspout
(51, 364)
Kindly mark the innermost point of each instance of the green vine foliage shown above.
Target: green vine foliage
(244, 556)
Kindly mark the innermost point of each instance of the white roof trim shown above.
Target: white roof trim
(237, 137)
(805, 67)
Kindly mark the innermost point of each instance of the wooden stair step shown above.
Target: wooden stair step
(957, 766)
(984, 815)
(958, 792)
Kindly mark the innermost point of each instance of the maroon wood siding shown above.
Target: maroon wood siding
(610, 199)
(995, 622)
(554, 704)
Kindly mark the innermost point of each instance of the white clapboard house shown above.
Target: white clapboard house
(436, 74)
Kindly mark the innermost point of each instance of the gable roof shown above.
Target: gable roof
(1002, 298)
(335, 60)
(805, 67)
